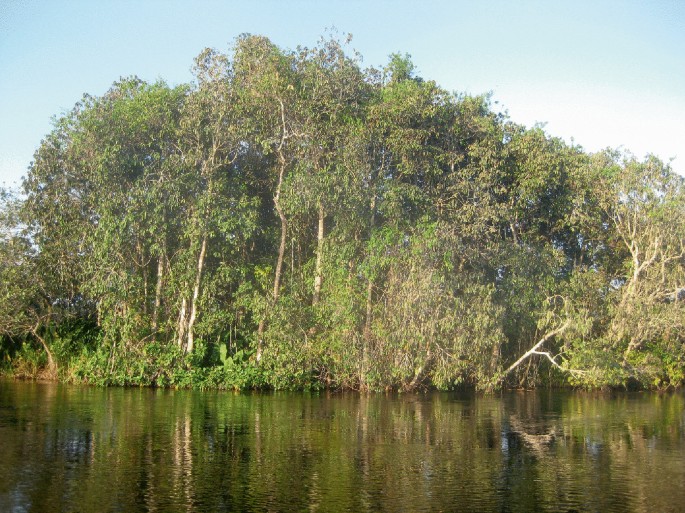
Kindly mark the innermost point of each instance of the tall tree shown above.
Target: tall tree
(269, 90)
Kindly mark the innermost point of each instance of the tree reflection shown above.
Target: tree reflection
(128, 450)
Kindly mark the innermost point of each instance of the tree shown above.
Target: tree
(645, 203)
(30, 301)
(268, 88)
(291, 220)
(212, 140)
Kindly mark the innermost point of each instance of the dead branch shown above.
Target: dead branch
(534, 350)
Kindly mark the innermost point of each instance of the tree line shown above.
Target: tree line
(292, 220)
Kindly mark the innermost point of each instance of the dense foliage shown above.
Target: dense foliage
(291, 220)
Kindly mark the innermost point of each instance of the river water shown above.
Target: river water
(66, 448)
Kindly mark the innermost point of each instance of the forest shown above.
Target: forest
(293, 220)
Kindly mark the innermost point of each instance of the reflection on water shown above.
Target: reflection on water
(89, 449)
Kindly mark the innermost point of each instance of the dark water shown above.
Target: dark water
(89, 449)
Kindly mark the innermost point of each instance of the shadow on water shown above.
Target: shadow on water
(89, 449)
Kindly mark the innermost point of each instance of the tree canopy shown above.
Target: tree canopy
(292, 220)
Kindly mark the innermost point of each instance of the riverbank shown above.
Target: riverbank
(29, 365)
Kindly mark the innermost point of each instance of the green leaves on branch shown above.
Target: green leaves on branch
(292, 220)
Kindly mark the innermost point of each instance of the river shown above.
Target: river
(68, 448)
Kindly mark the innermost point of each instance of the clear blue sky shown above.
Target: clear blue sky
(607, 73)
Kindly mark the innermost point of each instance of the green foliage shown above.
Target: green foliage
(290, 220)
(27, 362)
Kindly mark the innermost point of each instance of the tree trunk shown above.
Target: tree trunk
(158, 294)
(494, 358)
(418, 373)
(366, 339)
(284, 230)
(281, 252)
(51, 371)
(318, 278)
(369, 285)
(512, 226)
(182, 323)
(196, 295)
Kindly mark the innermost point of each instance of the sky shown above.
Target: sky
(598, 73)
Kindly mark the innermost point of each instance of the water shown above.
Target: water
(88, 449)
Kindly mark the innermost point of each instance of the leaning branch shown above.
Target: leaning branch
(534, 350)
(552, 359)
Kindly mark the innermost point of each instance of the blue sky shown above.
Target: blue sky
(608, 74)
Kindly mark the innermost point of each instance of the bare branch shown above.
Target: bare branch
(534, 349)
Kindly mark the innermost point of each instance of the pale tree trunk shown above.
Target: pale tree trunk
(141, 263)
(182, 323)
(639, 266)
(494, 358)
(51, 371)
(196, 295)
(318, 278)
(189, 343)
(366, 339)
(512, 226)
(627, 227)
(281, 252)
(418, 373)
(642, 256)
(369, 285)
(284, 229)
(158, 294)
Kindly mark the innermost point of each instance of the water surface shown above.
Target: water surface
(86, 449)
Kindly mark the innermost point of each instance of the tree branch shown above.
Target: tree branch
(534, 350)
